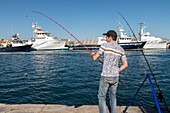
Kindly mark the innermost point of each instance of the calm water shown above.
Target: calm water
(72, 78)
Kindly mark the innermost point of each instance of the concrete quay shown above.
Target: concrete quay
(53, 108)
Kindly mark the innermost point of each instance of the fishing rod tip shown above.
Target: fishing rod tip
(35, 12)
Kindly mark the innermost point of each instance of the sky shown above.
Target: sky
(85, 19)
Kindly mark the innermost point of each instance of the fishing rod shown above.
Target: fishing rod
(153, 75)
(138, 43)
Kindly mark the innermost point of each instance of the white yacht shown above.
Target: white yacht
(128, 42)
(42, 40)
(152, 41)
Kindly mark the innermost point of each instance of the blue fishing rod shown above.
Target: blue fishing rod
(148, 75)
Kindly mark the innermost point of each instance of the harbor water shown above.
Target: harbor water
(72, 78)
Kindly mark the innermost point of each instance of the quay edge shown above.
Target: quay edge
(54, 108)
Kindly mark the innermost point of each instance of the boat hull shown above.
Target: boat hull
(49, 49)
(132, 45)
(24, 48)
(52, 44)
(155, 45)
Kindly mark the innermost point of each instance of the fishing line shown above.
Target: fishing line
(153, 75)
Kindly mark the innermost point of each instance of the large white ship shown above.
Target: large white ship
(152, 41)
(42, 40)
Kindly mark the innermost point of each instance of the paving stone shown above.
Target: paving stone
(1, 109)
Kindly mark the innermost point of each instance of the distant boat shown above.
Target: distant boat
(153, 42)
(128, 42)
(14, 45)
(42, 40)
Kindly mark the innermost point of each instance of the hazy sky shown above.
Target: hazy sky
(83, 18)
